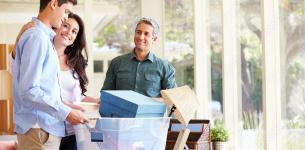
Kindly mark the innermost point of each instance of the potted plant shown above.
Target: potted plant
(219, 136)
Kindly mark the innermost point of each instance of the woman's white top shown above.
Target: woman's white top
(70, 87)
(70, 91)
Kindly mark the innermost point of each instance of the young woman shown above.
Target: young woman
(70, 44)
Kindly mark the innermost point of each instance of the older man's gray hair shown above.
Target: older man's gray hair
(151, 22)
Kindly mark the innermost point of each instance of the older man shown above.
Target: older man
(141, 70)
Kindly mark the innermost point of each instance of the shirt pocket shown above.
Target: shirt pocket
(152, 81)
(123, 80)
(151, 77)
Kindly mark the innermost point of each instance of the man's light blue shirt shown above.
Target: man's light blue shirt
(36, 87)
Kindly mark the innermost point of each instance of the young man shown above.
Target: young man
(140, 70)
(39, 112)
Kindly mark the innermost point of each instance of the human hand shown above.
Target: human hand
(76, 117)
(91, 100)
(98, 100)
(23, 29)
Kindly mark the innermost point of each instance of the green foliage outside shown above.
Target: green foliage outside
(295, 124)
(179, 21)
(294, 100)
(108, 32)
(250, 120)
(184, 71)
(216, 77)
(251, 56)
(250, 42)
(119, 32)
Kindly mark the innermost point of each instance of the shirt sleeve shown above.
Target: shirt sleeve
(169, 80)
(10, 63)
(109, 83)
(33, 54)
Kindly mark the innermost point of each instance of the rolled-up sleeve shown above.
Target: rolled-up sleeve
(169, 80)
(109, 83)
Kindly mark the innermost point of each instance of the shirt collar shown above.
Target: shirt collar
(44, 28)
(150, 56)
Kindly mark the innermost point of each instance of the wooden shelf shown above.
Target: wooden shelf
(6, 98)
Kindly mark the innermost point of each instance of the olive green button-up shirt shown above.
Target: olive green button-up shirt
(147, 77)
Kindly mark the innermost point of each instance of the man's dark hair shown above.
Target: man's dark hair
(44, 3)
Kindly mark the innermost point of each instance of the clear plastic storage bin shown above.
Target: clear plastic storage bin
(83, 138)
(125, 134)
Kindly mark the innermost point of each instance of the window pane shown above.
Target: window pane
(179, 39)
(250, 40)
(216, 36)
(98, 66)
(113, 25)
(292, 31)
(115, 31)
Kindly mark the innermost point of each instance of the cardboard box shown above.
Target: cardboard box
(129, 104)
(91, 109)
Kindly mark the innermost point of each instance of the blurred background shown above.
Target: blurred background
(243, 58)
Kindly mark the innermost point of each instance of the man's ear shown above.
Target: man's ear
(53, 4)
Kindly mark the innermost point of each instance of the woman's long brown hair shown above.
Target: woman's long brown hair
(77, 56)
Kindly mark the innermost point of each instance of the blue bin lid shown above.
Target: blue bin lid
(132, 101)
